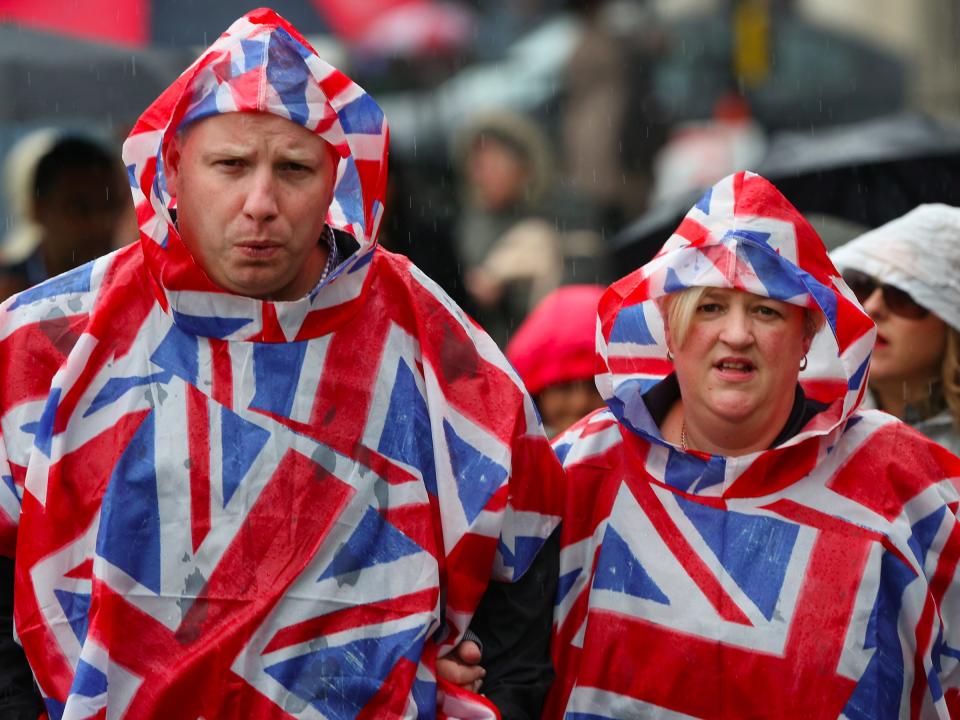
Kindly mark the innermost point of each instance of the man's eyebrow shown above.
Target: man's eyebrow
(298, 153)
(227, 148)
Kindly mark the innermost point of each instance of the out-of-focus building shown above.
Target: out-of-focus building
(923, 32)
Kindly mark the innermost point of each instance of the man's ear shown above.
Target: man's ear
(171, 163)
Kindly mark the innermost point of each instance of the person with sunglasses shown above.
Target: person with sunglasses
(906, 274)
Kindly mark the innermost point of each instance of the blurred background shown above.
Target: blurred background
(535, 143)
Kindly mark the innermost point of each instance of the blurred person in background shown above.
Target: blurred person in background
(70, 205)
(907, 276)
(611, 124)
(554, 353)
(510, 254)
(732, 546)
(509, 240)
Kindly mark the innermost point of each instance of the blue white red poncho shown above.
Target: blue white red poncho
(817, 579)
(226, 507)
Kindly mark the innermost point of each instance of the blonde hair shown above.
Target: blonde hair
(951, 375)
(678, 309)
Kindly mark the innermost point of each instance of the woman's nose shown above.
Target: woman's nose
(874, 304)
(736, 330)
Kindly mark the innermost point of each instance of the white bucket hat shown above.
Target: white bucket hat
(918, 253)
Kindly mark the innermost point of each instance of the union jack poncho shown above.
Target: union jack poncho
(226, 507)
(816, 579)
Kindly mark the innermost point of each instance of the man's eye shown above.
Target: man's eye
(230, 162)
(294, 167)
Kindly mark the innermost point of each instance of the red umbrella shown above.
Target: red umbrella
(376, 26)
(398, 27)
(124, 23)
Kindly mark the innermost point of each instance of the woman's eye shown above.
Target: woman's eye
(767, 311)
(710, 307)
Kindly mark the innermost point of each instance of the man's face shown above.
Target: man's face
(252, 194)
(80, 214)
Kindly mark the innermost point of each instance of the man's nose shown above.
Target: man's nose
(261, 200)
(737, 331)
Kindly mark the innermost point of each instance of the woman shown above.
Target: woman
(733, 544)
(907, 275)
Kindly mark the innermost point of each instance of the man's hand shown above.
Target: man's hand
(462, 666)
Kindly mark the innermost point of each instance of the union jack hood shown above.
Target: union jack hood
(226, 507)
(816, 579)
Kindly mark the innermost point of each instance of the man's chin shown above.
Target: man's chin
(256, 284)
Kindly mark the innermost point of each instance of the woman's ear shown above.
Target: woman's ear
(668, 336)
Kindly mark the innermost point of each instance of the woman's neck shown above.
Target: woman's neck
(716, 436)
(920, 398)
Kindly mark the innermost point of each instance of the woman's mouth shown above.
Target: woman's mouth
(734, 368)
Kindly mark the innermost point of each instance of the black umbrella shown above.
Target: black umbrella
(865, 173)
(49, 78)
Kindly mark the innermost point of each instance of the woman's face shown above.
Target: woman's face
(741, 356)
(563, 403)
(908, 350)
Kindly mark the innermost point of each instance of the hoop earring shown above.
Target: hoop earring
(803, 363)
(669, 356)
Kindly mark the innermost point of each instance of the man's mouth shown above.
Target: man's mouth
(257, 248)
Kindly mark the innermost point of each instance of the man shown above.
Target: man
(255, 466)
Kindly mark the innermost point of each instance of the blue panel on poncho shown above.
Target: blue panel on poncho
(76, 608)
(877, 695)
(754, 549)
(339, 681)
(277, 369)
(362, 115)
(631, 326)
(89, 681)
(618, 569)
(241, 441)
(406, 431)
(72, 281)
(374, 542)
(129, 536)
(180, 354)
(478, 477)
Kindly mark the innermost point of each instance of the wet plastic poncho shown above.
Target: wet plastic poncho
(816, 579)
(242, 508)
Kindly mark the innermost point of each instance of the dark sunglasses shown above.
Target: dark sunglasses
(897, 301)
